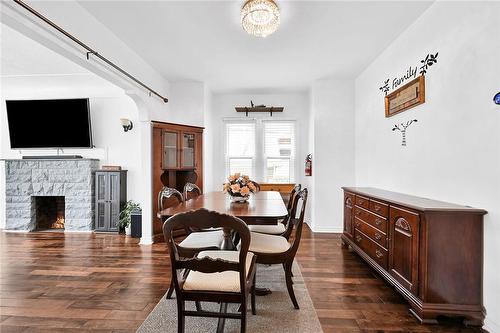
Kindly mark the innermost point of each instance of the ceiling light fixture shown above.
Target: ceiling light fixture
(260, 17)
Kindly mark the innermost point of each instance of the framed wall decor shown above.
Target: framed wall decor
(406, 97)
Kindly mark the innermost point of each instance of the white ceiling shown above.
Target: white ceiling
(21, 56)
(27, 65)
(203, 40)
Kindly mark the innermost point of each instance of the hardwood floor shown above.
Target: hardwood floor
(56, 282)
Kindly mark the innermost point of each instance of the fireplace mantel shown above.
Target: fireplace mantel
(71, 178)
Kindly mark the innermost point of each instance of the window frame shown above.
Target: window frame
(259, 160)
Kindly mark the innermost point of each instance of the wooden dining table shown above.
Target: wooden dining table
(262, 208)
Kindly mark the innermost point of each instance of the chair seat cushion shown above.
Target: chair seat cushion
(276, 229)
(228, 281)
(262, 243)
(203, 239)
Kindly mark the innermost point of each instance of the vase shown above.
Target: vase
(239, 199)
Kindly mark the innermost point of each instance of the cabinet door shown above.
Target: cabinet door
(404, 243)
(170, 149)
(188, 150)
(101, 202)
(348, 217)
(113, 200)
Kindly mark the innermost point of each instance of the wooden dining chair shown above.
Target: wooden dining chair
(194, 241)
(191, 191)
(211, 276)
(280, 227)
(273, 250)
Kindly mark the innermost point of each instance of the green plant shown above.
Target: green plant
(126, 212)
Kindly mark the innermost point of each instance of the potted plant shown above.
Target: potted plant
(239, 187)
(125, 215)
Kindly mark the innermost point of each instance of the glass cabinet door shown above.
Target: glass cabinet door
(114, 200)
(101, 201)
(170, 140)
(188, 142)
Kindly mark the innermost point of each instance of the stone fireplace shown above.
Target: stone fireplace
(46, 193)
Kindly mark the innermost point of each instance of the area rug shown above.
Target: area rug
(275, 312)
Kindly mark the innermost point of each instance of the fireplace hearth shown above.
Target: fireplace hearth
(49, 213)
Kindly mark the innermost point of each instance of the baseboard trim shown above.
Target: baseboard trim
(490, 326)
(334, 230)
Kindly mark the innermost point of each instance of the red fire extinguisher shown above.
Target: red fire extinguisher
(308, 169)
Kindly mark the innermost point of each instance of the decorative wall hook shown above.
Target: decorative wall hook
(402, 128)
(127, 124)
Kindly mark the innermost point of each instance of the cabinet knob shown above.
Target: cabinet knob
(358, 212)
(377, 208)
(358, 238)
(378, 221)
(361, 201)
(378, 253)
(378, 236)
(356, 224)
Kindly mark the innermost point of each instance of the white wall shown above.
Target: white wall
(332, 122)
(107, 104)
(453, 152)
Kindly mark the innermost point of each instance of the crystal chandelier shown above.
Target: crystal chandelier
(260, 17)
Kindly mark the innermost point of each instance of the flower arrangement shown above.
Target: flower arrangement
(239, 187)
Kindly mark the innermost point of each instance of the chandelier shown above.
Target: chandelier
(260, 17)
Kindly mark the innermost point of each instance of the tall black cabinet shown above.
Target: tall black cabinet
(110, 198)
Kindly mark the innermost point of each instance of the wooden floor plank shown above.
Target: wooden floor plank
(56, 282)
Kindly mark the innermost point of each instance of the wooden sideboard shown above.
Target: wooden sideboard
(430, 251)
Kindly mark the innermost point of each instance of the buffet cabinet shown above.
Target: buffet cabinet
(430, 251)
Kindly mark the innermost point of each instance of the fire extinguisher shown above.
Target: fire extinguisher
(308, 169)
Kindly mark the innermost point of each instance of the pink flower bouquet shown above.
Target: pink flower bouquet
(239, 187)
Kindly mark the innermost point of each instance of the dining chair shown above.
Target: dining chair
(211, 276)
(194, 241)
(280, 227)
(191, 191)
(273, 249)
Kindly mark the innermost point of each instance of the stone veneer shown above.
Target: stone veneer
(71, 178)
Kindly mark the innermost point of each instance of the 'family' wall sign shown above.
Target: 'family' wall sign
(410, 94)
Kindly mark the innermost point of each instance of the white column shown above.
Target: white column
(147, 182)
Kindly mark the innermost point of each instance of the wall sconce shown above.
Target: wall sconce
(127, 124)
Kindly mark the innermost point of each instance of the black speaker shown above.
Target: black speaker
(136, 224)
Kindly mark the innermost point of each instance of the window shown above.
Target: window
(279, 151)
(240, 148)
(263, 150)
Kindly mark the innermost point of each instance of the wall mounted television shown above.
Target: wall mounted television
(51, 123)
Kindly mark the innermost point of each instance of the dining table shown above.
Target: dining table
(264, 208)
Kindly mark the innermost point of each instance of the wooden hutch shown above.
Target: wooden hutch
(177, 159)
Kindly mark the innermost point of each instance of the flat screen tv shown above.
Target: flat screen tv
(52, 123)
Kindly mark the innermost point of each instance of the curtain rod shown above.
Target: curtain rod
(88, 48)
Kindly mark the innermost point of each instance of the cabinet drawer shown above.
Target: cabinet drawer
(348, 199)
(379, 208)
(362, 202)
(372, 219)
(376, 252)
(376, 235)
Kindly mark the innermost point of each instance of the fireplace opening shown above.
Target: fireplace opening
(50, 212)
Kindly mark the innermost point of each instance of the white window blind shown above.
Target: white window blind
(279, 151)
(240, 148)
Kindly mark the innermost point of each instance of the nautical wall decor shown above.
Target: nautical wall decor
(496, 99)
(402, 128)
(404, 97)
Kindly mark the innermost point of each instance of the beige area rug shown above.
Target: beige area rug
(275, 312)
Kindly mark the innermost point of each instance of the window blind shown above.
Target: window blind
(279, 151)
(240, 148)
